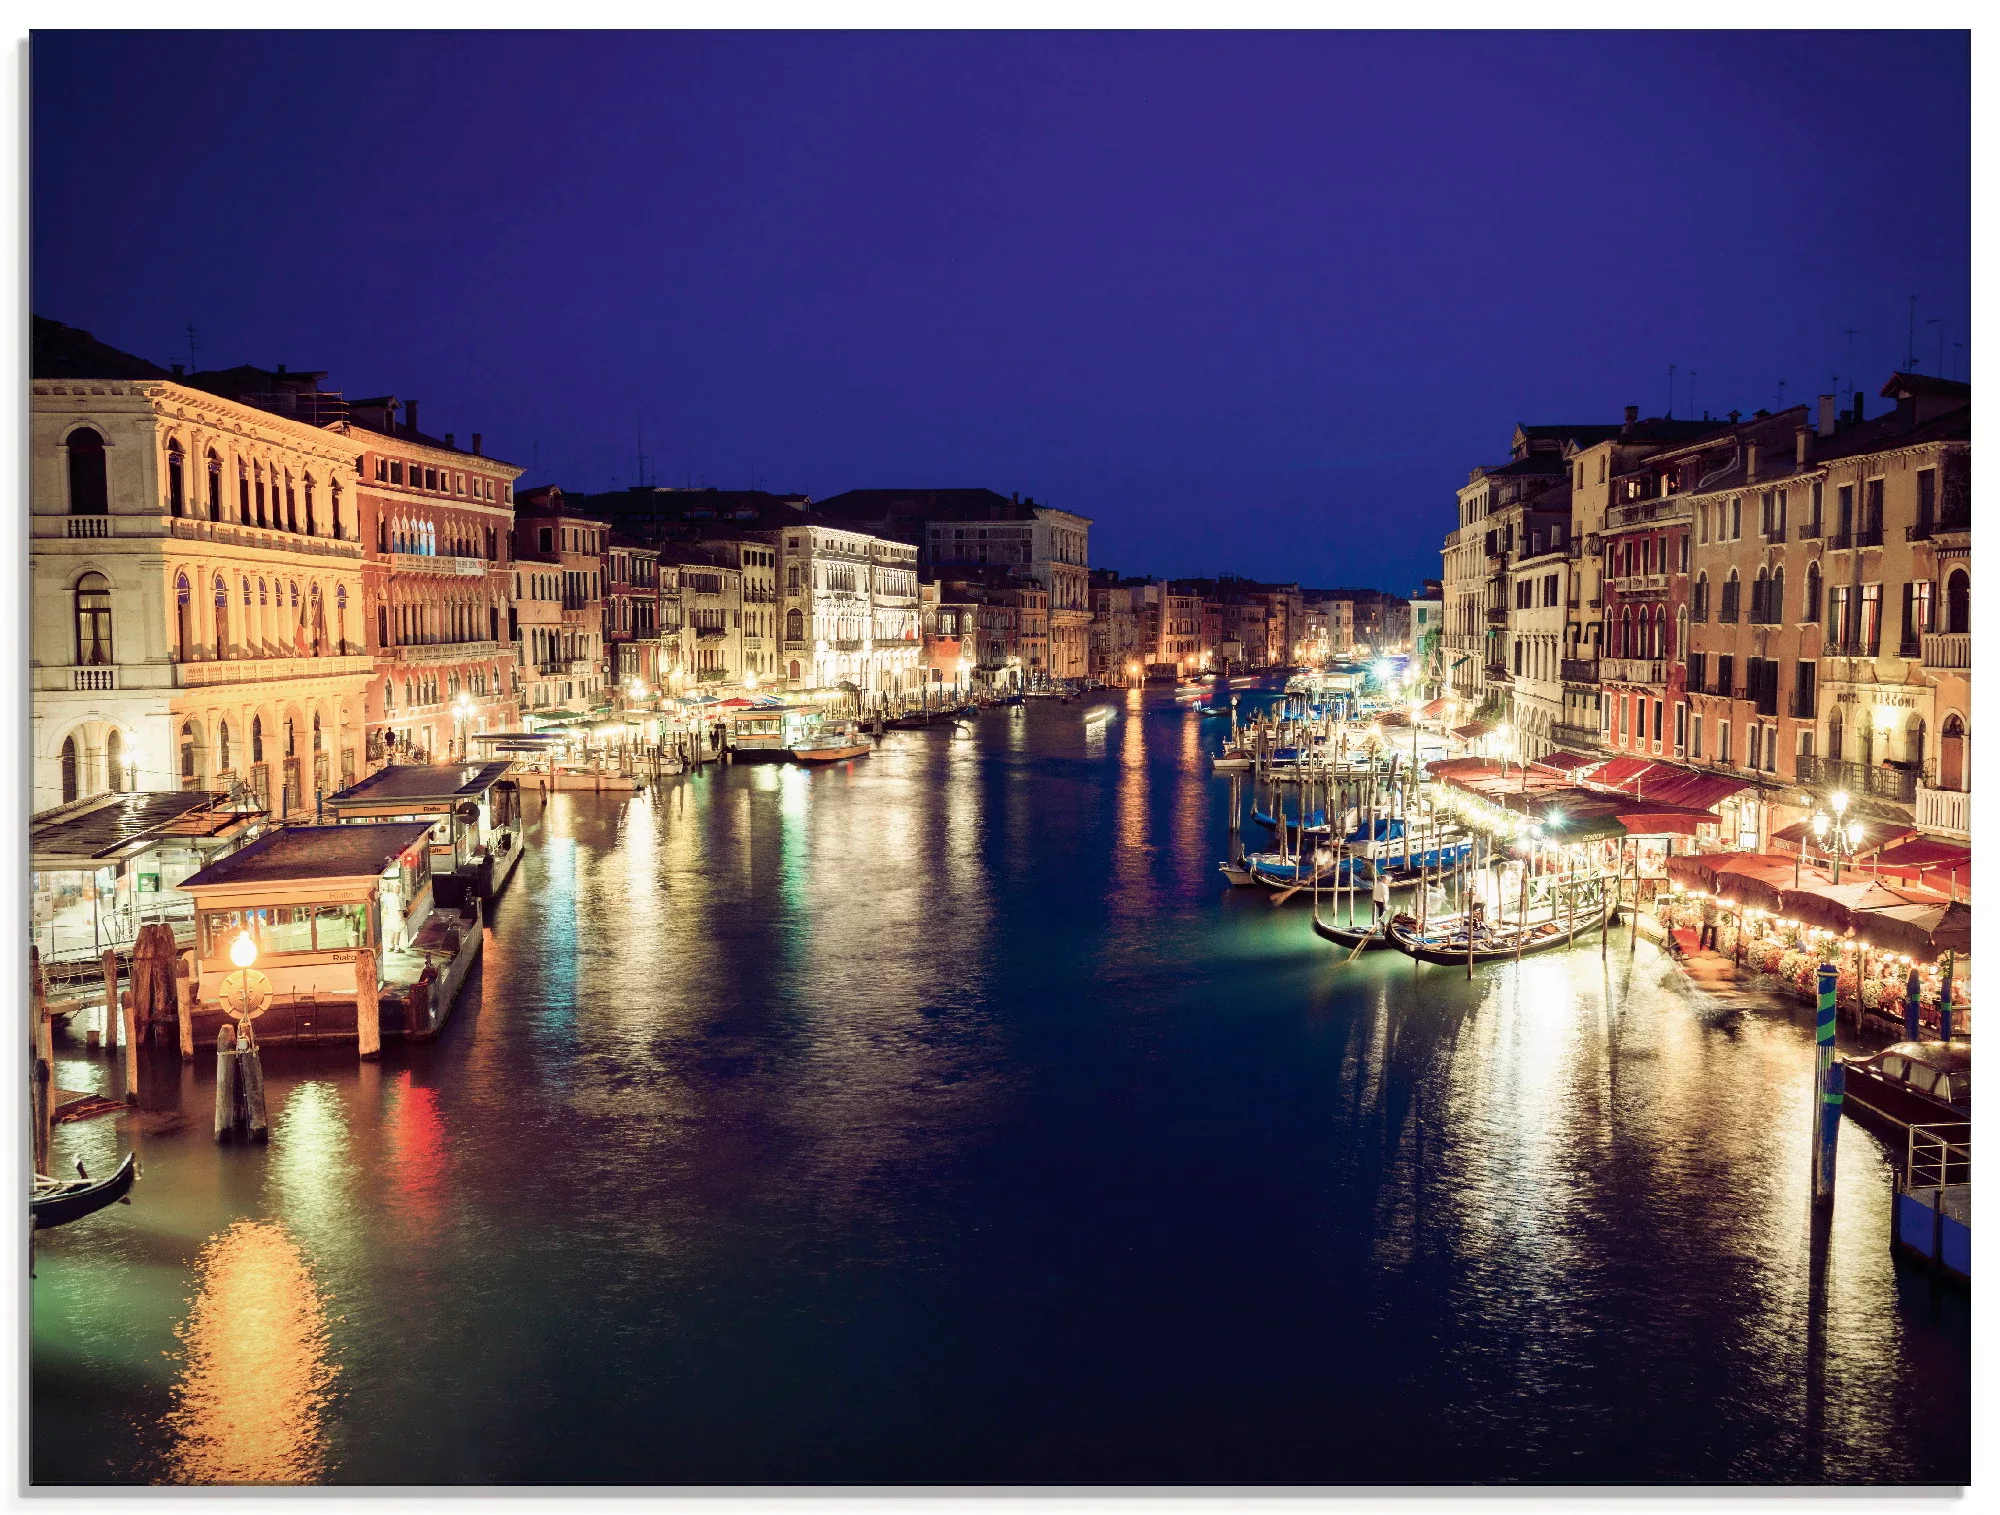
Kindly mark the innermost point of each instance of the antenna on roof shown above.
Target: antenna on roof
(1938, 322)
(1693, 374)
(1781, 394)
(1910, 353)
(193, 367)
(1850, 353)
(1670, 391)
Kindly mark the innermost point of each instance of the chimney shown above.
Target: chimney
(475, 445)
(409, 415)
(1631, 416)
(1803, 437)
(1857, 408)
(177, 371)
(451, 439)
(1749, 462)
(1827, 425)
(281, 368)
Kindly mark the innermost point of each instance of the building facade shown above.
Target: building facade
(196, 574)
(561, 556)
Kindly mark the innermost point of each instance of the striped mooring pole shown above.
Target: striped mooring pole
(1829, 1089)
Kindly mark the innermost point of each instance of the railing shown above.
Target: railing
(1579, 670)
(97, 676)
(260, 670)
(444, 652)
(263, 537)
(1633, 670)
(1923, 531)
(1897, 784)
(582, 668)
(1939, 1155)
(1840, 541)
(1869, 537)
(1807, 531)
(1496, 615)
(425, 562)
(1582, 736)
(1947, 649)
(88, 526)
(1944, 810)
(1638, 583)
(1637, 513)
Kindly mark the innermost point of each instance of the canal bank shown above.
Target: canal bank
(940, 1118)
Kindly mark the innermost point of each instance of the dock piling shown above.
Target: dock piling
(109, 963)
(367, 1005)
(1824, 1095)
(226, 1098)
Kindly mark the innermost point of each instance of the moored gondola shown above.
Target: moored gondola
(58, 1201)
(1443, 940)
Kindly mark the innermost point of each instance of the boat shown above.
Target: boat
(1442, 940)
(566, 776)
(1235, 760)
(1370, 938)
(827, 752)
(1236, 873)
(1275, 870)
(1913, 1083)
(58, 1201)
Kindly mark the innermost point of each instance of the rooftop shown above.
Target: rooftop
(107, 826)
(64, 352)
(422, 781)
(300, 854)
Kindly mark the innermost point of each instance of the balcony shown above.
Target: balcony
(1496, 615)
(1638, 513)
(1580, 671)
(1575, 736)
(445, 567)
(1633, 670)
(1947, 649)
(261, 537)
(1869, 537)
(1946, 810)
(265, 670)
(445, 652)
(1807, 531)
(1639, 583)
(88, 526)
(1874, 781)
(1840, 541)
(1803, 705)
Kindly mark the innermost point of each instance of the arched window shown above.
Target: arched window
(69, 769)
(1660, 648)
(222, 763)
(1732, 594)
(256, 739)
(214, 486)
(93, 619)
(1698, 601)
(190, 762)
(1835, 733)
(291, 738)
(291, 503)
(243, 495)
(1774, 608)
(382, 534)
(1760, 598)
(311, 525)
(1625, 633)
(316, 743)
(221, 597)
(388, 694)
(88, 495)
(183, 618)
(1809, 611)
(333, 506)
(340, 619)
(795, 627)
(114, 760)
(176, 479)
(1958, 601)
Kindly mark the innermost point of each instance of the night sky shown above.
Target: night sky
(1253, 302)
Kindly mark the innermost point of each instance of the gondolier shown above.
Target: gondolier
(1380, 894)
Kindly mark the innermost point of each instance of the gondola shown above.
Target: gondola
(1234, 761)
(1350, 937)
(58, 1201)
(1442, 941)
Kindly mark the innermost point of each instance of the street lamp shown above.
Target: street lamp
(243, 953)
(1836, 836)
(463, 709)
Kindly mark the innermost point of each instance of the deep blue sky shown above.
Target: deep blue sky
(1251, 301)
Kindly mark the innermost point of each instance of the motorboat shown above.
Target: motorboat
(1913, 1083)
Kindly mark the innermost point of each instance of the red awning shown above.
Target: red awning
(1618, 773)
(1471, 731)
(1563, 762)
(1650, 817)
(1680, 786)
(1434, 709)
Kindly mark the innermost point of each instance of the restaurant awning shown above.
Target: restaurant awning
(1434, 709)
(1563, 762)
(1618, 773)
(1888, 917)
(1755, 881)
(1938, 864)
(1471, 731)
(1681, 786)
(1650, 817)
(1696, 870)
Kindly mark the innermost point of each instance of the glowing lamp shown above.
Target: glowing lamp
(1838, 799)
(1853, 834)
(243, 951)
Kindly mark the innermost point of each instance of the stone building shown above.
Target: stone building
(851, 610)
(559, 553)
(438, 585)
(195, 566)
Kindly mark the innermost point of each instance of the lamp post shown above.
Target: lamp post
(243, 953)
(1836, 835)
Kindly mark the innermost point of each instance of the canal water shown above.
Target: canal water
(942, 1118)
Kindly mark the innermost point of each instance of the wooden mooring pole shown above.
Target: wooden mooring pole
(1829, 1088)
(41, 1042)
(367, 1005)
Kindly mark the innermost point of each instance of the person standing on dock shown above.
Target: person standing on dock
(1708, 914)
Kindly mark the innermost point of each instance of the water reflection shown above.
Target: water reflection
(251, 1403)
